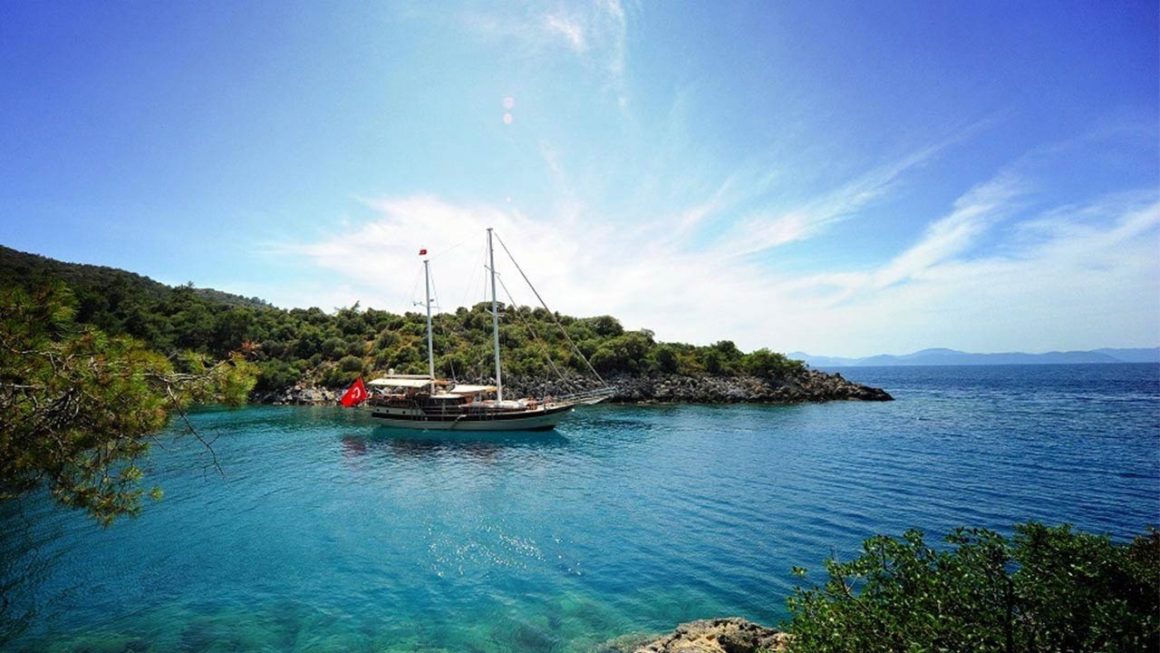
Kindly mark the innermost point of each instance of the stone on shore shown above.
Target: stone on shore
(300, 395)
(728, 635)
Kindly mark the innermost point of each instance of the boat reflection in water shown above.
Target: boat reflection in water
(474, 445)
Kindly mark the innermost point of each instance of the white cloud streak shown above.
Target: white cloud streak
(1081, 287)
(950, 236)
(569, 29)
(768, 229)
(596, 32)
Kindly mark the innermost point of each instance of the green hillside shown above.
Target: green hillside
(332, 349)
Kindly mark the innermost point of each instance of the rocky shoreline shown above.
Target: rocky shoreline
(809, 386)
(806, 386)
(728, 635)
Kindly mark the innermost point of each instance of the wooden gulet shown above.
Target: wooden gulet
(429, 403)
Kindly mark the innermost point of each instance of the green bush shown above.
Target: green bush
(665, 358)
(1048, 589)
(333, 348)
(276, 375)
(767, 364)
(387, 338)
(333, 376)
(350, 364)
(711, 360)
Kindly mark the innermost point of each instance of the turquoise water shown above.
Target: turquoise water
(329, 533)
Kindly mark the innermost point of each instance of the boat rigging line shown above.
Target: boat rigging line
(535, 336)
(551, 313)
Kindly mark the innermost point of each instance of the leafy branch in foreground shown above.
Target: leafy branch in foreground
(78, 406)
(1046, 589)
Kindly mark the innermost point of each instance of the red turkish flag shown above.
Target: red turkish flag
(355, 394)
(423, 252)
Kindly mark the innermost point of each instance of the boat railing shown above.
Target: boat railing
(593, 396)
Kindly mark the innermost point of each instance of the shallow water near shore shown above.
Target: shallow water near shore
(327, 532)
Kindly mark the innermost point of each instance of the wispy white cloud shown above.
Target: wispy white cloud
(767, 228)
(688, 219)
(813, 217)
(614, 24)
(1070, 289)
(597, 32)
(380, 255)
(568, 28)
(948, 237)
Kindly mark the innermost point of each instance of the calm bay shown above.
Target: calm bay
(328, 532)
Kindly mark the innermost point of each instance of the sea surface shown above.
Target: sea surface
(327, 532)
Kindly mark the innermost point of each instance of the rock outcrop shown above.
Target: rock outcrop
(730, 635)
(300, 395)
(805, 386)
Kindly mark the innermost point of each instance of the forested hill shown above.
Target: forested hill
(95, 285)
(331, 349)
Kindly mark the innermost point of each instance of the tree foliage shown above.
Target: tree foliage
(1047, 589)
(764, 363)
(78, 405)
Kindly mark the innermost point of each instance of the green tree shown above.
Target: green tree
(277, 375)
(232, 327)
(1049, 589)
(333, 348)
(711, 360)
(665, 358)
(351, 364)
(78, 406)
(606, 326)
(308, 342)
(767, 364)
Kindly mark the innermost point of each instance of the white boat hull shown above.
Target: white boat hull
(542, 419)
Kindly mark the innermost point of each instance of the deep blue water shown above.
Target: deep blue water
(330, 533)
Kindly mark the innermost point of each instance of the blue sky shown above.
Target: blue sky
(833, 177)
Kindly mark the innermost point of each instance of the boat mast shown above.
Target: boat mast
(430, 347)
(494, 318)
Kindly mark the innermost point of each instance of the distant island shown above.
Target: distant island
(306, 356)
(941, 356)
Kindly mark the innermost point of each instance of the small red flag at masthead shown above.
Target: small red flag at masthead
(423, 252)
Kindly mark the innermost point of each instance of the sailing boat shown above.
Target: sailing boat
(426, 402)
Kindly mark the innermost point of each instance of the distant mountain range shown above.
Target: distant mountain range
(954, 357)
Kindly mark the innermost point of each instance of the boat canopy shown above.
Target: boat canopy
(395, 382)
(464, 389)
